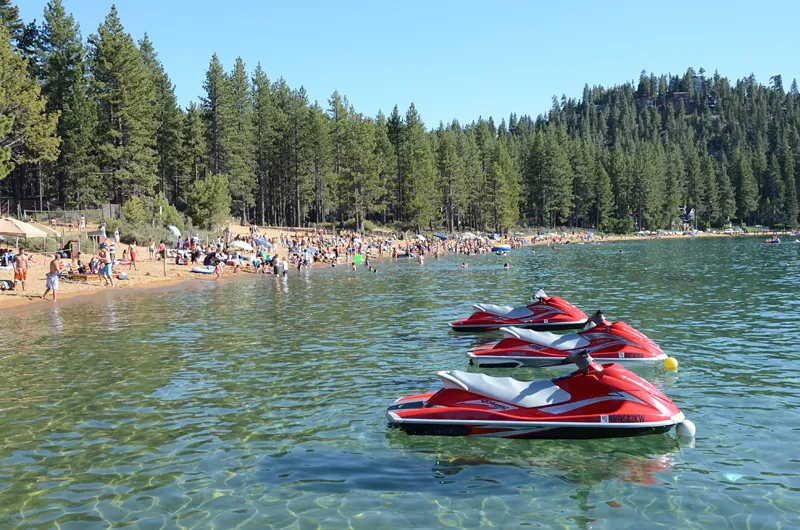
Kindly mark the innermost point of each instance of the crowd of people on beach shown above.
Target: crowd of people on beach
(255, 252)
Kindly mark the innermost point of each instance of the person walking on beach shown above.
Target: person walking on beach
(133, 254)
(82, 224)
(106, 265)
(52, 276)
(151, 246)
(103, 231)
(21, 268)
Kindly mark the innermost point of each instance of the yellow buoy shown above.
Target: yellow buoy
(671, 363)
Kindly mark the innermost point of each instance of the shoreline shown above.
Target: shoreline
(179, 278)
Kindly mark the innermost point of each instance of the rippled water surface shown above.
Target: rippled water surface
(260, 403)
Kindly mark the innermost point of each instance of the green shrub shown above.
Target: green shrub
(210, 202)
(619, 226)
(134, 212)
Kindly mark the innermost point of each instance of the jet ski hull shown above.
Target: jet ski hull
(607, 342)
(547, 313)
(477, 325)
(551, 432)
(533, 361)
(607, 402)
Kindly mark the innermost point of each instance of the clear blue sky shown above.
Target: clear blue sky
(454, 59)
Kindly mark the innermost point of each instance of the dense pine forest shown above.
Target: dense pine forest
(88, 121)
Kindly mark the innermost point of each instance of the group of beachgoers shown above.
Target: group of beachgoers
(253, 252)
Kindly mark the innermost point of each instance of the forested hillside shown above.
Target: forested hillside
(90, 120)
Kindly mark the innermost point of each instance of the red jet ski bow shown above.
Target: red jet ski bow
(546, 313)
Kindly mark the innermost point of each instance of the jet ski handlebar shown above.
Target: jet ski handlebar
(580, 358)
(539, 295)
(596, 320)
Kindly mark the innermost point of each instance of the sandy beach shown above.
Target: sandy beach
(151, 276)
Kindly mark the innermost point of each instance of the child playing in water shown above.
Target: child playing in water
(218, 269)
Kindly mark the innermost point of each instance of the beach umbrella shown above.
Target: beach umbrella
(440, 236)
(14, 228)
(420, 237)
(44, 228)
(174, 230)
(242, 245)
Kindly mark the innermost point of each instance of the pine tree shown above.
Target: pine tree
(747, 197)
(773, 191)
(727, 194)
(503, 183)
(451, 175)
(66, 87)
(386, 159)
(359, 168)
(532, 177)
(673, 188)
(263, 136)
(603, 196)
(619, 172)
(337, 111)
(209, 202)
(300, 180)
(395, 129)
(646, 193)
(556, 182)
(417, 172)
(789, 208)
(30, 132)
(216, 111)
(694, 182)
(236, 142)
(318, 141)
(125, 93)
(6, 165)
(582, 171)
(194, 147)
(9, 18)
(708, 188)
(169, 120)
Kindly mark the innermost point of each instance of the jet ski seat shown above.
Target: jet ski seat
(520, 393)
(568, 341)
(504, 310)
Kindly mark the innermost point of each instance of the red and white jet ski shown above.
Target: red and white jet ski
(546, 313)
(595, 401)
(605, 342)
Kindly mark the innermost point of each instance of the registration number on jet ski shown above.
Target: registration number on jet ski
(625, 418)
